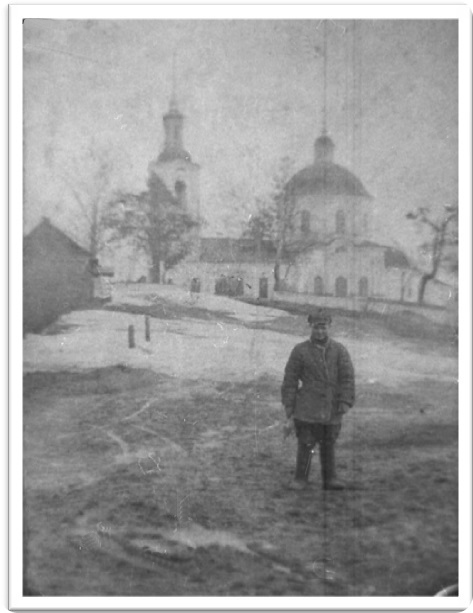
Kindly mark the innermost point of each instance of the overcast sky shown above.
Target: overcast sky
(252, 93)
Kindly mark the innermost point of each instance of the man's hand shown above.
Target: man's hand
(288, 427)
(343, 407)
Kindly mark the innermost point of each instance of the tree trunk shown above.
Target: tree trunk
(94, 231)
(422, 285)
(155, 270)
(277, 277)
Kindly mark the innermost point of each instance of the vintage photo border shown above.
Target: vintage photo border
(195, 11)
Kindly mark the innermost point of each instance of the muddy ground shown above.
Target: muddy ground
(139, 483)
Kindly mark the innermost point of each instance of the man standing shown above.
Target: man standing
(318, 388)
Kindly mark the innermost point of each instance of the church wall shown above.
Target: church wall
(340, 265)
(208, 273)
(323, 209)
(369, 263)
(343, 261)
(302, 273)
(319, 217)
(362, 217)
(362, 268)
(393, 281)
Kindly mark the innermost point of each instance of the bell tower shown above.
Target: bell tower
(174, 164)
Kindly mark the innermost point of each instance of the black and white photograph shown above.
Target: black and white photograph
(240, 290)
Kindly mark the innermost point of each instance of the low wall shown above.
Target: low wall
(443, 316)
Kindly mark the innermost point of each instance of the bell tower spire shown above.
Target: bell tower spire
(173, 122)
(323, 147)
(324, 107)
(173, 100)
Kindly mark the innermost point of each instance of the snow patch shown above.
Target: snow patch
(212, 350)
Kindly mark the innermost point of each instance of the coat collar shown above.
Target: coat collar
(321, 347)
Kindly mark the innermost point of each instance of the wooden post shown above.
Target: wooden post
(131, 336)
(147, 328)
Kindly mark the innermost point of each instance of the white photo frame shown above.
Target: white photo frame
(215, 13)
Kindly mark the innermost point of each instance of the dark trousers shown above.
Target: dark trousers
(308, 436)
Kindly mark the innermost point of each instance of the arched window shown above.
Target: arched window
(318, 286)
(263, 287)
(180, 188)
(341, 287)
(340, 222)
(305, 221)
(363, 287)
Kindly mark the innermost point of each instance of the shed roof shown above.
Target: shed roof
(45, 231)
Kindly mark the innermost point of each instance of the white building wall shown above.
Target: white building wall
(323, 210)
(208, 273)
(301, 275)
(127, 263)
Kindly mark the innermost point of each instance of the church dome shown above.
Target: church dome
(324, 176)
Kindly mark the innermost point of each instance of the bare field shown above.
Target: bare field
(141, 481)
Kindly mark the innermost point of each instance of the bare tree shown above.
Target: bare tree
(285, 204)
(91, 185)
(440, 249)
(156, 223)
(260, 226)
(275, 220)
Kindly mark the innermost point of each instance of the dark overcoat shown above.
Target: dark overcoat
(316, 379)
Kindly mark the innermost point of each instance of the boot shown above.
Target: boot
(327, 461)
(303, 460)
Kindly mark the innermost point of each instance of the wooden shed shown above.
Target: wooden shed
(57, 276)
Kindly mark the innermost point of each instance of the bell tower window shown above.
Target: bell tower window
(340, 222)
(180, 189)
(363, 287)
(305, 221)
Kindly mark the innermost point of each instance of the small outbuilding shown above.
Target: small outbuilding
(57, 276)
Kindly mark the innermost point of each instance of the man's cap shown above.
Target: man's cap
(319, 315)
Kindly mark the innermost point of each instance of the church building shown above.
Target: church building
(331, 247)
(330, 250)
